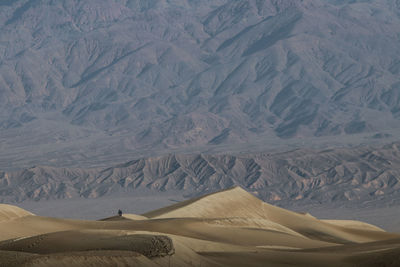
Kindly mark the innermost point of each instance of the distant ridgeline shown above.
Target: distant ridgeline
(357, 174)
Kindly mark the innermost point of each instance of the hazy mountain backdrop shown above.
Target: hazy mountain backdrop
(90, 83)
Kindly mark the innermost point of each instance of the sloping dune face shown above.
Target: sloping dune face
(133, 217)
(234, 202)
(9, 212)
(354, 224)
(85, 240)
(228, 228)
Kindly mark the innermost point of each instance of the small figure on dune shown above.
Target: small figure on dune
(119, 212)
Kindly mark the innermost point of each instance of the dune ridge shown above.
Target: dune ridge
(9, 212)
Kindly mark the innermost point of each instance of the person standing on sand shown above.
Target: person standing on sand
(119, 212)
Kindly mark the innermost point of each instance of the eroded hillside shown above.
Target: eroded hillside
(354, 175)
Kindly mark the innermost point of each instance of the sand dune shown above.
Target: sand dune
(8, 212)
(228, 228)
(354, 224)
(84, 240)
(89, 258)
(236, 202)
(133, 217)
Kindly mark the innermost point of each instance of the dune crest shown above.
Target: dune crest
(234, 202)
(9, 212)
(354, 224)
(127, 216)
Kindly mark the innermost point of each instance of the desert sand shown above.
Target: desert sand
(228, 228)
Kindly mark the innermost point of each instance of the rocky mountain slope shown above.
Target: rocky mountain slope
(80, 79)
(357, 176)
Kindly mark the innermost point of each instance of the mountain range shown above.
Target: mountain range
(101, 79)
(297, 101)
